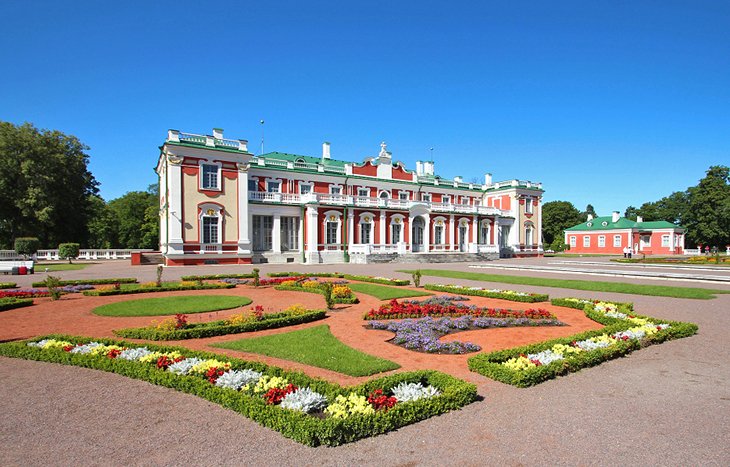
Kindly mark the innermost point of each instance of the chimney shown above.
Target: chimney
(487, 179)
(639, 219)
(218, 133)
(458, 179)
(614, 216)
(325, 150)
(428, 168)
(590, 217)
(419, 168)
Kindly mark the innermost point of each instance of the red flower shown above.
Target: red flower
(68, 348)
(274, 396)
(113, 353)
(213, 374)
(379, 401)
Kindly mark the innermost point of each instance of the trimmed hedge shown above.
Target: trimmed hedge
(113, 280)
(345, 300)
(8, 303)
(352, 277)
(306, 274)
(209, 277)
(8, 285)
(220, 328)
(572, 303)
(531, 298)
(104, 293)
(304, 428)
(490, 364)
(376, 280)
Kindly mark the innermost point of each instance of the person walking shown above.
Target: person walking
(626, 252)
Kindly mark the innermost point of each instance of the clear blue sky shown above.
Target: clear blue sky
(608, 103)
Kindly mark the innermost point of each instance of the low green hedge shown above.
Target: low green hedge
(304, 428)
(208, 277)
(378, 280)
(8, 285)
(346, 300)
(8, 303)
(220, 328)
(118, 280)
(104, 293)
(306, 274)
(531, 298)
(580, 303)
(490, 364)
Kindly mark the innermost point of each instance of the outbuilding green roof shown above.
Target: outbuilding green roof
(606, 223)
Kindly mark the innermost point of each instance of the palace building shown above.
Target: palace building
(612, 234)
(221, 204)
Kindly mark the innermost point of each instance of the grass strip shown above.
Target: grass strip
(315, 346)
(384, 292)
(129, 289)
(61, 267)
(594, 286)
(171, 305)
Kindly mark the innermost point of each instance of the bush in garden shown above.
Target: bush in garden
(311, 285)
(53, 284)
(68, 251)
(27, 246)
(416, 277)
(329, 298)
(256, 277)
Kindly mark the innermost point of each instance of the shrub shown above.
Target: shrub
(416, 275)
(53, 283)
(311, 285)
(256, 277)
(68, 251)
(329, 298)
(8, 285)
(113, 280)
(27, 246)
(216, 276)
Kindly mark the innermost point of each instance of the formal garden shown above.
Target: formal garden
(273, 348)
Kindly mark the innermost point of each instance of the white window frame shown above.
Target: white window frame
(201, 168)
(617, 241)
(529, 229)
(287, 234)
(369, 219)
(426, 197)
(328, 217)
(666, 241)
(484, 231)
(308, 184)
(573, 240)
(210, 211)
(364, 189)
(402, 193)
(268, 238)
(586, 241)
(442, 221)
(446, 199)
(269, 181)
(336, 187)
(601, 241)
(528, 206)
(254, 180)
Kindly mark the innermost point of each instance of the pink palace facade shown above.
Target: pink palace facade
(221, 204)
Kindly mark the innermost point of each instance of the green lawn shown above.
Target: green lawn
(53, 267)
(314, 346)
(171, 305)
(596, 286)
(385, 292)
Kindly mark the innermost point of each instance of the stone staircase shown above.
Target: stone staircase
(151, 259)
(431, 258)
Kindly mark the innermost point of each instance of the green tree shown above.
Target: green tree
(68, 251)
(45, 185)
(132, 212)
(103, 225)
(672, 208)
(589, 210)
(708, 214)
(631, 213)
(556, 217)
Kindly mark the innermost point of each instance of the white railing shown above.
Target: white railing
(274, 197)
(211, 247)
(367, 201)
(86, 254)
(305, 165)
(176, 136)
(692, 251)
(334, 199)
(482, 248)
(331, 246)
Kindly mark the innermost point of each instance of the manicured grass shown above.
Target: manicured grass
(171, 305)
(384, 292)
(61, 267)
(596, 286)
(314, 346)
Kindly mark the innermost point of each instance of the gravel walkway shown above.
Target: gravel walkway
(664, 405)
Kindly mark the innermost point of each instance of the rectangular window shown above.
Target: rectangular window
(395, 235)
(403, 195)
(528, 236)
(210, 177)
(572, 242)
(335, 190)
(665, 241)
(601, 241)
(446, 199)
(262, 227)
(304, 188)
(426, 197)
(617, 240)
(273, 187)
(331, 233)
(484, 234)
(289, 234)
(210, 229)
(365, 232)
(253, 185)
(438, 235)
(528, 206)
(363, 192)
(586, 241)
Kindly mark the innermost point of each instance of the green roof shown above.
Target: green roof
(307, 159)
(606, 223)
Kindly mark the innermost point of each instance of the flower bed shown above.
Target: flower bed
(279, 280)
(306, 274)
(352, 277)
(423, 334)
(310, 411)
(438, 300)
(8, 303)
(41, 292)
(165, 288)
(211, 277)
(396, 310)
(624, 333)
(340, 292)
(118, 280)
(177, 328)
(8, 285)
(511, 295)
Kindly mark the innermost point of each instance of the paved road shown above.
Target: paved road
(664, 405)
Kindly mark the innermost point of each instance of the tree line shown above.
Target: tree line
(703, 210)
(48, 192)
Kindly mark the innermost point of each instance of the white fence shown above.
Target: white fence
(52, 255)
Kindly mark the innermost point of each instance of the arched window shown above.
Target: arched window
(396, 229)
(210, 221)
(366, 228)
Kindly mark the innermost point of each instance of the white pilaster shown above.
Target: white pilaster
(427, 232)
(383, 240)
(452, 240)
(175, 211)
(312, 229)
(276, 234)
(244, 226)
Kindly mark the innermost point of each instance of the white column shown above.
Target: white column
(410, 233)
(175, 199)
(474, 233)
(452, 240)
(312, 229)
(300, 240)
(427, 233)
(244, 235)
(276, 234)
(538, 213)
(350, 228)
(383, 240)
